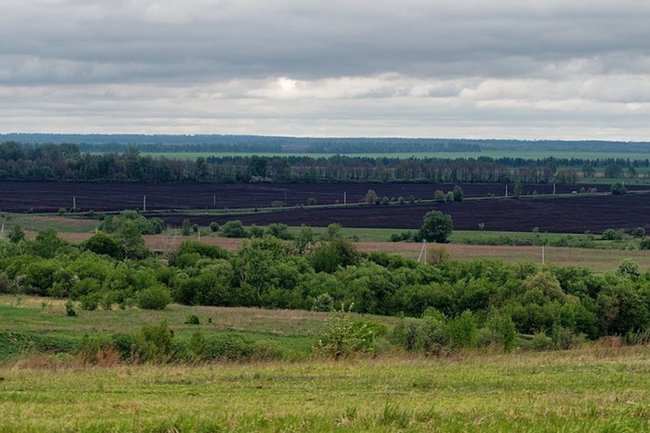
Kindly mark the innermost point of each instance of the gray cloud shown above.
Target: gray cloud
(532, 68)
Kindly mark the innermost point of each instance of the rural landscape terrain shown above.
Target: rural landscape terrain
(162, 292)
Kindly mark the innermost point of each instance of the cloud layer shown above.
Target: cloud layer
(464, 68)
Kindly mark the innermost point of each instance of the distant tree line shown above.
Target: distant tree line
(65, 162)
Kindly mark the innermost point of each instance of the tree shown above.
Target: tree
(439, 196)
(16, 234)
(618, 189)
(233, 229)
(518, 189)
(371, 197)
(186, 227)
(103, 243)
(436, 227)
(132, 241)
(458, 193)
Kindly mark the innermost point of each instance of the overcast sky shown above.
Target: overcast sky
(576, 69)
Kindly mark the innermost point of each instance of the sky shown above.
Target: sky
(530, 69)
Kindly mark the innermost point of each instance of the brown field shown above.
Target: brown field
(595, 259)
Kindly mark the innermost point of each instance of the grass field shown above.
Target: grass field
(589, 390)
(596, 388)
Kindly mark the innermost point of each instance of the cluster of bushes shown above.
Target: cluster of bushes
(158, 343)
(270, 273)
(456, 194)
(371, 197)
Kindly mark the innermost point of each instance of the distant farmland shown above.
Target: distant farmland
(106, 196)
(560, 214)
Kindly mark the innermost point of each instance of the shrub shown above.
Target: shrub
(502, 330)
(463, 330)
(645, 244)
(612, 235)
(458, 193)
(233, 229)
(186, 227)
(69, 309)
(280, 231)
(154, 298)
(638, 232)
(16, 234)
(154, 343)
(618, 189)
(214, 227)
(323, 302)
(345, 337)
(437, 256)
(192, 319)
(90, 302)
(103, 243)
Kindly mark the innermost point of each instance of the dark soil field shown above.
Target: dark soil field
(51, 196)
(560, 214)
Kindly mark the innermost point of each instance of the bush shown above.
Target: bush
(612, 235)
(463, 330)
(323, 302)
(69, 309)
(90, 302)
(233, 229)
(618, 189)
(645, 244)
(186, 227)
(214, 227)
(154, 298)
(638, 232)
(345, 337)
(192, 319)
(154, 343)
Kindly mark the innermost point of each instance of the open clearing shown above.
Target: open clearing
(590, 390)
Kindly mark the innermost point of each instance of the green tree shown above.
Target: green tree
(233, 229)
(186, 227)
(16, 234)
(436, 227)
(458, 193)
(103, 243)
(518, 189)
(618, 189)
(371, 197)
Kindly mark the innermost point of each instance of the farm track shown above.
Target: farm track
(106, 196)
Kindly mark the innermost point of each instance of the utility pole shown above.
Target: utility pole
(345, 197)
(74, 203)
(506, 190)
(214, 200)
(144, 203)
(553, 189)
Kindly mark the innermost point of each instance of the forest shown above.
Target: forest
(66, 162)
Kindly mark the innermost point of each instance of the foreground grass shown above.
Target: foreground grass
(593, 390)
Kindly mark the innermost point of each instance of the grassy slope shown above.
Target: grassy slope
(594, 390)
(45, 318)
